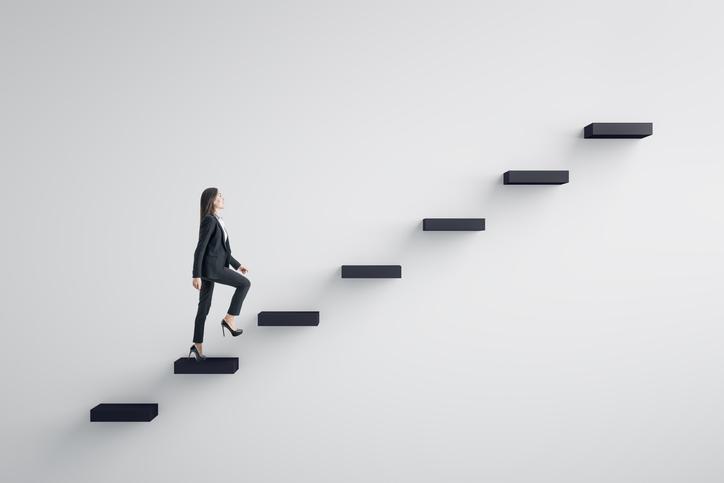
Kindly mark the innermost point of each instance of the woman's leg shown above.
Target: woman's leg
(242, 284)
(207, 289)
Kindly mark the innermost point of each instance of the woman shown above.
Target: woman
(211, 264)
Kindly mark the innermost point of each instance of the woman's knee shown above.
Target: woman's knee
(244, 283)
(240, 281)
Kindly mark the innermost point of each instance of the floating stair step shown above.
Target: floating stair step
(124, 412)
(289, 318)
(371, 271)
(210, 365)
(618, 130)
(453, 224)
(535, 177)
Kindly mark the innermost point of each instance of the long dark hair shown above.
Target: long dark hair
(207, 201)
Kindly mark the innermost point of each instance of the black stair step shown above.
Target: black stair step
(124, 412)
(371, 271)
(535, 177)
(210, 365)
(453, 224)
(618, 130)
(288, 318)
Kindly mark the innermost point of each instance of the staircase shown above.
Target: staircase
(144, 412)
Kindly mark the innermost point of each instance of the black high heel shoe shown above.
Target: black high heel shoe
(196, 354)
(233, 332)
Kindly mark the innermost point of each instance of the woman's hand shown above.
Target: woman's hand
(197, 283)
(243, 269)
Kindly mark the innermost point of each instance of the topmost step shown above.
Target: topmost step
(621, 130)
(535, 177)
(453, 224)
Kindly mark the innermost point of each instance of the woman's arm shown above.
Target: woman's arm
(205, 230)
(234, 263)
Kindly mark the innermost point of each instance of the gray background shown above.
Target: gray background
(578, 339)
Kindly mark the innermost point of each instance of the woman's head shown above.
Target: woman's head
(211, 202)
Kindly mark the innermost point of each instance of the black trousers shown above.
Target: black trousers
(226, 276)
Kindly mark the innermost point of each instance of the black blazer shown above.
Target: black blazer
(212, 253)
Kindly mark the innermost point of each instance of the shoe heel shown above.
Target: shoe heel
(196, 356)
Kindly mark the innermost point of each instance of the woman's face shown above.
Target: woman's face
(219, 202)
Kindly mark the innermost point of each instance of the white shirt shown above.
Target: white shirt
(221, 220)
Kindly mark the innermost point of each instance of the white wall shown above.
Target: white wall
(578, 339)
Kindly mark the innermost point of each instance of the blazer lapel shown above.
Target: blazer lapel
(221, 230)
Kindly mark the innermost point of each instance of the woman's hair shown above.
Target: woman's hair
(207, 201)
